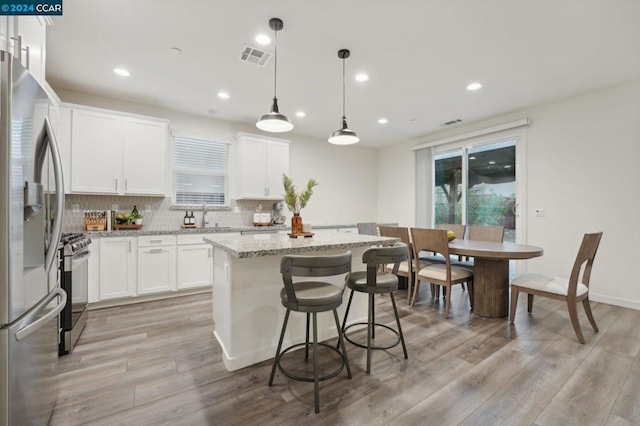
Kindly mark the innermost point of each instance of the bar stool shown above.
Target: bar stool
(372, 282)
(312, 297)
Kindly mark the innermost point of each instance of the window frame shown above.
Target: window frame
(226, 175)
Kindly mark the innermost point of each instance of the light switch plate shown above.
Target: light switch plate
(539, 212)
(75, 208)
(147, 208)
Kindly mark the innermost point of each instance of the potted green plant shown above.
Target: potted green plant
(135, 218)
(296, 201)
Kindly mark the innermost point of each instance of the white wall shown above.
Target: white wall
(583, 156)
(347, 191)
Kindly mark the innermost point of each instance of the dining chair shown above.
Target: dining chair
(481, 233)
(457, 229)
(406, 268)
(440, 274)
(368, 228)
(312, 296)
(572, 290)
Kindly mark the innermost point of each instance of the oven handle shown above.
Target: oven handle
(31, 328)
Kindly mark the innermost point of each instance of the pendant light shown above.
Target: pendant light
(343, 136)
(274, 121)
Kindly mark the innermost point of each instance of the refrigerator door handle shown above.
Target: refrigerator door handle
(56, 232)
(31, 328)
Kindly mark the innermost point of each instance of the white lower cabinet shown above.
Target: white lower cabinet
(194, 262)
(118, 267)
(156, 264)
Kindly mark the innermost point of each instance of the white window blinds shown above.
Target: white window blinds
(200, 172)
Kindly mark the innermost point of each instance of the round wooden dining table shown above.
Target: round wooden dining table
(491, 272)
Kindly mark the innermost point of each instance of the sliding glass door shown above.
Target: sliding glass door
(476, 185)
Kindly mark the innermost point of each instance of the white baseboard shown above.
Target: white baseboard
(146, 298)
(625, 303)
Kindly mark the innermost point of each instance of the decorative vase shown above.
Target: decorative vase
(296, 224)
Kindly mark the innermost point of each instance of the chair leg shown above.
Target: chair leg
(573, 314)
(529, 302)
(369, 332)
(373, 318)
(341, 342)
(344, 321)
(306, 347)
(587, 309)
(514, 303)
(409, 286)
(433, 290)
(470, 290)
(416, 290)
(316, 382)
(277, 357)
(447, 302)
(395, 311)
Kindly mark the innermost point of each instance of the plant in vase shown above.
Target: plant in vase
(136, 218)
(296, 201)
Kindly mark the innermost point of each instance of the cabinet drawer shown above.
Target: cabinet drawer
(188, 239)
(156, 240)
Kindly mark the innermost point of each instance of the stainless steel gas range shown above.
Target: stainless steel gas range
(74, 280)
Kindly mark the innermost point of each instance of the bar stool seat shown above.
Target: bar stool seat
(374, 282)
(311, 297)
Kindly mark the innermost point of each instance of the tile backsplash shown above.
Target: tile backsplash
(161, 216)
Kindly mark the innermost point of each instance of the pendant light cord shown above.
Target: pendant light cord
(344, 115)
(275, 65)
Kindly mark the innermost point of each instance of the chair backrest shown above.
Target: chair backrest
(485, 233)
(455, 227)
(368, 228)
(396, 232)
(587, 253)
(312, 266)
(434, 240)
(375, 256)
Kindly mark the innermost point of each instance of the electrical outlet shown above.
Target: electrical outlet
(147, 208)
(539, 212)
(236, 209)
(114, 207)
(75, 208)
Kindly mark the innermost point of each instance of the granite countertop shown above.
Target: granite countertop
(213, 230)
(258, 245)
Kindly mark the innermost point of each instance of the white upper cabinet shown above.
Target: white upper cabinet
(116, 154)
(259, 164)
(144, 154)
(25, 38)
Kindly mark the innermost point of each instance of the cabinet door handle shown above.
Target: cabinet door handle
(129, 246)
(155, 251)
(116, 188)
(18, 47)
(126, 184)
(155, 241)
(26, 49)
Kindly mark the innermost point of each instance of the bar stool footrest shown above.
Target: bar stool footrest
(310, 379)
(375, 324)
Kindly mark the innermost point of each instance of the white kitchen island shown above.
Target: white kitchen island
(247, 311)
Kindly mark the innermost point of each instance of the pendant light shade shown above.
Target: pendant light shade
(343, 136)
(273, 121)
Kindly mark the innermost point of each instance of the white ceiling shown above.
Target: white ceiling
(420, 56)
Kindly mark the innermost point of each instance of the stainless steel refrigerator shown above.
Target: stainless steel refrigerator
(31, 209)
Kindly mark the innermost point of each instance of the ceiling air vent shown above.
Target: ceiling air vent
(255, 56)
(449, 123)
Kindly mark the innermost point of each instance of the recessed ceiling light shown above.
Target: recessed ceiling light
(176, 50)
(362, 77)
(508, 166)
(122, 72)
(300, 114)
(492, 162)
(472, 158)
(383, 121)
(474, 86)
(223, 95)
(263, 39)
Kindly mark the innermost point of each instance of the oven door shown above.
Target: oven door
(76, 284)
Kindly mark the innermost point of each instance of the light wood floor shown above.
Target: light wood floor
(157, 363)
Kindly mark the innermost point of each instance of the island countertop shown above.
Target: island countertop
(260, 245)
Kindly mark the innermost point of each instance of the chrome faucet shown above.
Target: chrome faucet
(204, 215)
